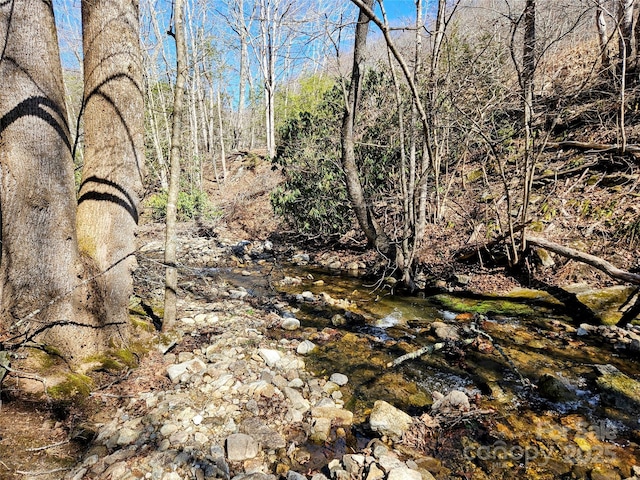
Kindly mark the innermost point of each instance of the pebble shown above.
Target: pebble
(339, 379)
(306, 347)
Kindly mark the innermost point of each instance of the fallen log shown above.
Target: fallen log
(596, 262)
(597, 147)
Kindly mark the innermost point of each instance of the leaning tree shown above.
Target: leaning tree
(67, 256)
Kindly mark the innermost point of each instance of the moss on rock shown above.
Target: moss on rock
(75, 385)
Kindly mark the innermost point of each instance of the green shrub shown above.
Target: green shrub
(190, 205)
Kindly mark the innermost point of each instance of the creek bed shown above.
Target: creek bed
(553, 425)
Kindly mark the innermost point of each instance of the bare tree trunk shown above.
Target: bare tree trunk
(404, 254)
(211, 128)
(625, 24)
(155, 133)
(603, 36)
(267, 51)
(417, 220)
(39, 257)
(223, 155)
(243, 74)
(354, 187)
(527, 79)
(170, 255)
(108, 200)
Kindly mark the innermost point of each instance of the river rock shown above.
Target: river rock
(291, 475)
(338, 320)
(267, 437)
(128, 436)
(454, 400)
(445, 331)
(270, 357)
(374, 473)
(176, 371)
(388, 420)
(305, 347)
(618, 390)
(320, 429)
(339, 379)
(241, 447)
(298, 402)
(554, 389)
(254, 476)
(337, 416)
(404, 473)
(290, 324)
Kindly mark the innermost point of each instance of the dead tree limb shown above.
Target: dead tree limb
(597, 147)
(596, 262)
(415, 354)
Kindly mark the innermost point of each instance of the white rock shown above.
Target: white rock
(197, 420)
(175, 371)
(454, 400)
(171, 476)
(305, 347)
(339, 379)
(241, 447)
(270, 357)
(296, 383)
(168, 429)
(127, 436)
(298, 402)
(388, 420)
(404, 473)
(290, 324)
(375, 473)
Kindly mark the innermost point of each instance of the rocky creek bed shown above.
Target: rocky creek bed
(242, 389)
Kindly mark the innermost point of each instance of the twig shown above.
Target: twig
(31, 376)
(524, 381)
(110, 395)
(46, 447)
(46, 472)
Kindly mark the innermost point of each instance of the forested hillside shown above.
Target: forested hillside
(471, 125)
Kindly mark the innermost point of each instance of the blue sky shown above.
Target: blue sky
(400, 12)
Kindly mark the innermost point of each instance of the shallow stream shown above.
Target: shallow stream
(537, 408)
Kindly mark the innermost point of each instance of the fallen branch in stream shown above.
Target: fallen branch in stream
(428, 349)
